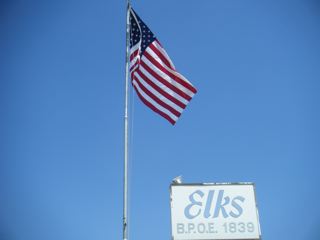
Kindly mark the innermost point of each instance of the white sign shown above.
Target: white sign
(214, 211)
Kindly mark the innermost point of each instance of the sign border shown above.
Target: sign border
(217, 184)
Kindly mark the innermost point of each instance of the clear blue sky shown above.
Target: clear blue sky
(256, 65)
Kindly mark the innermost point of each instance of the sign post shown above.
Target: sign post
(214, 211)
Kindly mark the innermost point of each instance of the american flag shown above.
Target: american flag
(153, 74)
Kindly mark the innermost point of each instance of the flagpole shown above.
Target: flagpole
(126, 133)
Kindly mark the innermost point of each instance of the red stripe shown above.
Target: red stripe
(134, 54)
(132, 67)
(164, 82)
(161, 56)
(132, 75)
(156, 99)
(153, 107)
(160, 67)
(160, 90)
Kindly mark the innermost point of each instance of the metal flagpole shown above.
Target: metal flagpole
(126, 133)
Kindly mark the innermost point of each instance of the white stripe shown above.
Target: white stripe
(134, 69)
(163, 87)
(155, 56)
(132, 50)
(133, 62)
(164, 53)
(135, 47)
(158, 95)
(152, 102)
(166, 77)
(135, 58)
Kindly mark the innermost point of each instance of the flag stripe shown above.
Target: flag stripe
(156, 66)
(161, 101)
(135, 47)
(132, 68)
(163, 92)
(141, 80)
(158, 45)
(161, 67)
(134, 54)
(163, 86)
(171, 118)
(160, 55)
(164, 79)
